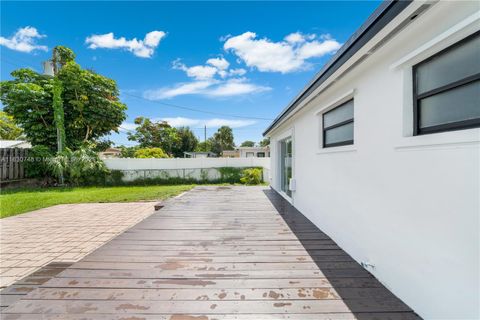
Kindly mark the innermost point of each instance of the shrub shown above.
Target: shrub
(128, 152)
(150, 153)
(252, 176)
(79, 167)
(114, 178)
(230, 174)
(36, 164)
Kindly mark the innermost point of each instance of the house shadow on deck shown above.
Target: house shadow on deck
(361, 292)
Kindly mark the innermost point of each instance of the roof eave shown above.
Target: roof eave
(383, 15)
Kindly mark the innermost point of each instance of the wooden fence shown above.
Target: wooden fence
(12, 163)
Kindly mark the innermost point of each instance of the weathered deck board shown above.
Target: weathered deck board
(220, 253)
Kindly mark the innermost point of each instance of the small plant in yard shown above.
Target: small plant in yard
(252, 176)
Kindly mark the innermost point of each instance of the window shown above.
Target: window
(261, 154)
(338, 126)
(250, 154)
(446, 89)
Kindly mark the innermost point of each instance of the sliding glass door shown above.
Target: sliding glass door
(286, 165)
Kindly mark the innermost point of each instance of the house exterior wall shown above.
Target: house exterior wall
(409, 205)
(253, 151)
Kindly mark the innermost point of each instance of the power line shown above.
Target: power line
(192, 128)
(194, 109)
(176, 105)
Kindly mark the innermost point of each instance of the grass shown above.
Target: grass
(13, 202)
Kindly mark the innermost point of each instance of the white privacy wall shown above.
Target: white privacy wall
(134, 168)
(407, 204)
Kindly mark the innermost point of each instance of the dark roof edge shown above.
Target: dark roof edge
(385, 13)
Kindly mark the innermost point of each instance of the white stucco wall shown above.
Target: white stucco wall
(135, 168)
(407, 204)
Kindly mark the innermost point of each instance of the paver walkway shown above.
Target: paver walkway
(62, 233)
(216, 253)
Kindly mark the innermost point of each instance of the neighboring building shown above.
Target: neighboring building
(199, 155)
(247, 152)
(15, 144)
(110, 153)
(230, 154)
(381, 150)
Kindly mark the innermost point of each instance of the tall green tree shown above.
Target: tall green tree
(265, 142)
(150, 134)
(247, 143)
(222, 140)
(8, 129)
(92, 108)
(102, 145)
(204, 146)
(187, 142)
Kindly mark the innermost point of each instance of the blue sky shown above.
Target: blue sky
(247, 59)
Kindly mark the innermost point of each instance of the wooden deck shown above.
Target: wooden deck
(216, 253)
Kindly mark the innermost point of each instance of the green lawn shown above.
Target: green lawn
(13, 202)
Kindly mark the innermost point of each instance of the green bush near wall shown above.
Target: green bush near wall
(251, 176)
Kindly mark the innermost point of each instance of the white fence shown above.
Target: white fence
(194, 168)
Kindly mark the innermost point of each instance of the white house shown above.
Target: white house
(381, 150)
(15, 144)
(247, 152)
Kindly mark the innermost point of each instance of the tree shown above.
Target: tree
(102, 145)
(8, 129)
(265, 142)
(187, 142)
(128, 152)
(247, 143)
(91, 104)
(204, 146)
(223, 140)
(151, 134)
(150, 153)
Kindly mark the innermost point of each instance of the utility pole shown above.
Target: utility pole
(57, 105)
(205, 137)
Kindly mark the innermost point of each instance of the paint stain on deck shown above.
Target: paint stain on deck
(129, 306)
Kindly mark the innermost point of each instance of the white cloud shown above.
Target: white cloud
(235, 87)
(197, 72)
(295, 37)
(24, 40)
(152, 39)
(208, 88)
(127, 126)
(284, 56)
(237, 72)
(210, 123)
(213, 67)
(196, 87)
(141, 48)
(219, 63)
(214, 79)
(317, 49)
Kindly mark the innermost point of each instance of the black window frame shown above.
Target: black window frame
(325, 129)
(451, 126)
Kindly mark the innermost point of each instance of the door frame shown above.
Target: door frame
(289, 133)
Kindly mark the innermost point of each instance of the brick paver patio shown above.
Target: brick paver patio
(62, 233)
